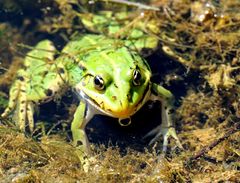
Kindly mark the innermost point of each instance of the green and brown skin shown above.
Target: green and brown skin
(108, 77)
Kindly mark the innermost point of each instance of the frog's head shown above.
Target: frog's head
(116, 82)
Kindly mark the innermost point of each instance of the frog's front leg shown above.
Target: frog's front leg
(82, 116)
(166, 128)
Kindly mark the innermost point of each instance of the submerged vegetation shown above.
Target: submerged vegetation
(197, 58)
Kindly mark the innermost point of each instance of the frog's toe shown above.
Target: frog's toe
(6, 112)
(170, 132)
(30, 112)
(14, 92)
(153, 132)
(166, 133)
(21, 111)
(20, 117)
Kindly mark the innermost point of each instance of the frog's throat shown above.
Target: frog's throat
(96, 106)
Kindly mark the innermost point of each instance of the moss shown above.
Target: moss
(191, 34)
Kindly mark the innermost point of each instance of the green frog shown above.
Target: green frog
(108, 76)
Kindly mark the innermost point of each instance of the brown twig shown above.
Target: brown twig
(136, 4)
(205, 149)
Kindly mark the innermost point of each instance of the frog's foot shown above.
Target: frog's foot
(22, 109)
(166, 132)
(85, 157)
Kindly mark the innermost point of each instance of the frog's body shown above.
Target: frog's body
(108, 77)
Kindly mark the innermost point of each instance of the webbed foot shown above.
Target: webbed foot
(166, 132)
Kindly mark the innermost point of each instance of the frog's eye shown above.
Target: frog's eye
(137, 77)
(98, 82)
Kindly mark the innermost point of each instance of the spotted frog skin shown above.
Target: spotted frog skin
(109, 78)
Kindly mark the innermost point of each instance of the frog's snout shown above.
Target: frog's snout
(120, 108)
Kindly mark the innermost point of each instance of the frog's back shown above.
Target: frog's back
(81, 46)
(98, 50)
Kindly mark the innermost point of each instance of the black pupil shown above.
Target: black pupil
(98, 81)
(136, 76)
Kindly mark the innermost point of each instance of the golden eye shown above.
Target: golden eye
(98, 82)
(137, 77)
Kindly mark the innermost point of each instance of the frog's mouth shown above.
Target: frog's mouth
(123, 114)
(97, 108)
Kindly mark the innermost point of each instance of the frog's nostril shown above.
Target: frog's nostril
(130, 97)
